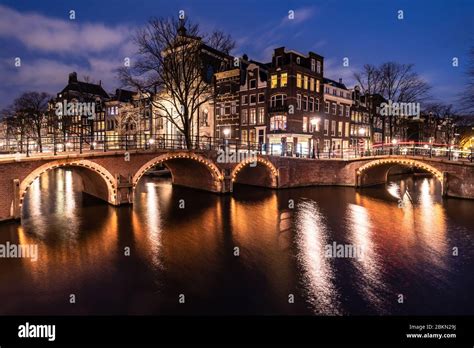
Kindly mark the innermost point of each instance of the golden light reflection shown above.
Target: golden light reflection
(318, 273)
(369, 279)
(98, 245)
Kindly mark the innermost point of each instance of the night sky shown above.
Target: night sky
(51, 45)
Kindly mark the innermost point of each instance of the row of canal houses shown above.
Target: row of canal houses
(283, 106)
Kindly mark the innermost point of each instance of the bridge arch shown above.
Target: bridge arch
(187, 169)
(100, 183)
(376, 172)
(264, 173)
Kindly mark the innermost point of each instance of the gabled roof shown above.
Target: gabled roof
(123, 95)
(81, 87)
(333, 83)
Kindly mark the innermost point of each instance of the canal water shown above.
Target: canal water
(258, 251)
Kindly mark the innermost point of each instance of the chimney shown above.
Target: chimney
(100, 82)
(73, 77)
(340, 81)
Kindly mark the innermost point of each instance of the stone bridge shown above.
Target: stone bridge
(113, 176)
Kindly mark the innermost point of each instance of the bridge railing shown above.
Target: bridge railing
(78, 144)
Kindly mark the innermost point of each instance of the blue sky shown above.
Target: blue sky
(51, 45)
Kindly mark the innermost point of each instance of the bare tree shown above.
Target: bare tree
(370, 81)
(221, 41)
(173, 68)
(400, 83)
(31, 108)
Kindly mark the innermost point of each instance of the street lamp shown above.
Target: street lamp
(226, 132)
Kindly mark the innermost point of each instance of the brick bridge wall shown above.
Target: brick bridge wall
(112, 176)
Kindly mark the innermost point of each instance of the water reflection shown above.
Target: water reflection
(191, 250)
(318, 273)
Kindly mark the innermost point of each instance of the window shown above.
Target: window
(334, 92)
(341, 110)
(318, 67)
(305, 82)
(298, 101)
(305, 124)
(253, 83)
(233, 108)
(347, 129)
(311, 104)
(278, 100)
(298, 60)
(253, 116)
(244, 116)
(278, 123)
(284, 79)
(311, 84)
(305, 103)
(218, 110)
(326, 107)
(244, 99)
(340, 128)
(326, 90)
(298, 80)
(348, 110)
(227, 110)
(274, 81)
(317, 86)
(261, 116)
(333, 128)
(261, 98)
(333, 108)
(316, 104)
(326, 127)
(253, 99)
(244, 136)
(278, 61)
(252, 135)
(313, 64)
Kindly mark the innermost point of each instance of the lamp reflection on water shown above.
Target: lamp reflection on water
(318, 273)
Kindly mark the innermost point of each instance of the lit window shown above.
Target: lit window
(244, 116)
(278, 123)
(305, 124)
(274, 81)
(317, 86)
(298, 80)
(305, 82)
(311, 84)
(261, 116)
(253, 116)
(284, 79)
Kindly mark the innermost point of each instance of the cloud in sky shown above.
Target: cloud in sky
(55, 48)
(38, 32)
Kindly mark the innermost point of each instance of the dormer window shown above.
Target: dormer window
(313, 64)
(253, 83)
(298, 60)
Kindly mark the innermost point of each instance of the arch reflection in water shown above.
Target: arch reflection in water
(318, 272)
